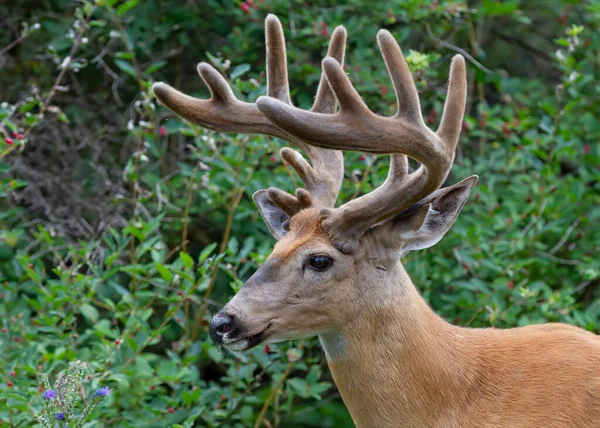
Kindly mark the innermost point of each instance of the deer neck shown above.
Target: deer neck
(397, 363)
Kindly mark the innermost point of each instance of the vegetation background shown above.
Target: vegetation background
(122, 228)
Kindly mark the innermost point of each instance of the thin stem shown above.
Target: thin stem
(276, 389)
(186, 213)
(68, 60)
(14, 43)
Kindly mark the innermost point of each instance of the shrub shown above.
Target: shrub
(122, 229)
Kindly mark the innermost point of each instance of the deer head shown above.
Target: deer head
(329, 263)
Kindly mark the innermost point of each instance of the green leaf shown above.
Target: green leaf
(89, 312)
(164, 272)
(239, 70)
(126, 7)
(126, 67)
(206, 252)
(154, 67)
(190, 397)
(187, 260)
(497, 8)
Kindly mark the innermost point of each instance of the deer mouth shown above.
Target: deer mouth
(246, 343)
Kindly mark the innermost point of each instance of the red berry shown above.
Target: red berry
(267, 349)
(324, 31)
(39, 367)
(587, 149)
(246, 8)
(362, 157)
(223, 398)
(383, 89)
(152, 388)
(511, 285)
(465, 127)
(563, 18)
(273, 159)
(163, 131)
(89, 377)
(4, 330)
(9, 384)
(117, 342)
(8, 141)
(13, 373)
(18, 339)
(30, 266)
(40, 389)
(179, 320)
(171, 410)
(180, 293)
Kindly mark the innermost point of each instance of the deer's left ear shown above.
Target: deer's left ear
(425, 223)
(275, 218)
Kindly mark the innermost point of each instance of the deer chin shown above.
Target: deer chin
(245, 343)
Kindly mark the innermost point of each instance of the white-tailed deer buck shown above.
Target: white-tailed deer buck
(335, 272)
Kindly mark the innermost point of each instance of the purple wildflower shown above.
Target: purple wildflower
(102, 392)
(49, 394)
(60, 416)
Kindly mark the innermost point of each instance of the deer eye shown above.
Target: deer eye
(320, 263)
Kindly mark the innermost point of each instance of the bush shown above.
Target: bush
(123, 228)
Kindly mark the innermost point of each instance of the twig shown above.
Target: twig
(276, 389)
(14, 43)
(456, 49)
(65, 66)
(565, 237)
(559, 260)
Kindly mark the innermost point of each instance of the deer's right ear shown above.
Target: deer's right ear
(425, 223)
(275, 218)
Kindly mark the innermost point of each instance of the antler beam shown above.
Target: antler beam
(355, 127)
(224, 112)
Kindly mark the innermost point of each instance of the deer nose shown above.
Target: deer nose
(221, 324)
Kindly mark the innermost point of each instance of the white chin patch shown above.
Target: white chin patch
(238, 345)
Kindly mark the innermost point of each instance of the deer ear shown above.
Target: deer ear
(425, 223)
(275, 218)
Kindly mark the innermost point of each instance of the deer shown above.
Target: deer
(336, 272)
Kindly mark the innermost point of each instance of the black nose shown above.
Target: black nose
(220, 324)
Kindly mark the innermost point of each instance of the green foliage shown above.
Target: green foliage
(122, 228)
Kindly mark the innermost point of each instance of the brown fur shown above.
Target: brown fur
(395, 362)
(304, 228)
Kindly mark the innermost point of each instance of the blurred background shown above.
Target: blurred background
(123, 228)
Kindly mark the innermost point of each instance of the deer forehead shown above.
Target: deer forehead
(305, 230)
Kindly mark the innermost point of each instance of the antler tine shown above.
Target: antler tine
(324, 178)
(355, 127)
(224, 112)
